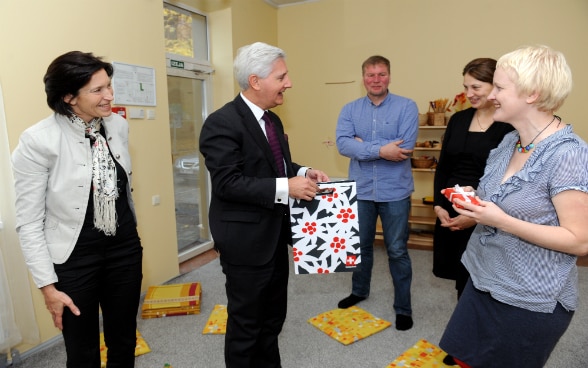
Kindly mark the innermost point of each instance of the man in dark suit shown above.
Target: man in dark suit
(249, 213)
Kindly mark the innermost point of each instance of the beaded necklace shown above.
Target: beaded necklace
(531, 145)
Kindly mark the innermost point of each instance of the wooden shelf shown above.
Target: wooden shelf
(421, 220)
(421, 237)
(426, 127)
(420, 240)
(419, 203)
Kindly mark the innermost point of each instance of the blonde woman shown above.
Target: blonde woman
(533, 196)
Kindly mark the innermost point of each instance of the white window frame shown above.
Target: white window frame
(191, 63)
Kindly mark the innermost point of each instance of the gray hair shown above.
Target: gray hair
(258, 59)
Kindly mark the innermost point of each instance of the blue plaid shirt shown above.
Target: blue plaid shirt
(511, 269)
(394, 119)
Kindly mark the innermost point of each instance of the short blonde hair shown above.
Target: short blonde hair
(542, 70)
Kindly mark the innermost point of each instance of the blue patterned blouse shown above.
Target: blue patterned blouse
(511, 269)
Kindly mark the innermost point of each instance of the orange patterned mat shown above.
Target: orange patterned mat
(172, 300)
(348, 325)
(423, 354)
(217, 322)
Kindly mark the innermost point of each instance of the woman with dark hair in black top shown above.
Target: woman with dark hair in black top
(468, 139)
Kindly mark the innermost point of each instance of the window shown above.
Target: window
(186, 34)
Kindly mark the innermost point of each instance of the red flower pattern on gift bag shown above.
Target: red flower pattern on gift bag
(325, 231)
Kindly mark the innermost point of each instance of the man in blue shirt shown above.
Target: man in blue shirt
(378, 132)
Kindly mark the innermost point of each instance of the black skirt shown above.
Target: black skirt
(484, 332)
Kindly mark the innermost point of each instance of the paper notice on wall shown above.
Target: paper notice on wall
(133, 85)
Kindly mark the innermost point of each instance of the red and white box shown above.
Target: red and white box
(459, 193)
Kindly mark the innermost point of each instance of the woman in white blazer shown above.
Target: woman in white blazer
(75, 215)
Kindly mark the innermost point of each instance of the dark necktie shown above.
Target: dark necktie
(272, 138)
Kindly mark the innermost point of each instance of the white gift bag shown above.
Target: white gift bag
(325, 231)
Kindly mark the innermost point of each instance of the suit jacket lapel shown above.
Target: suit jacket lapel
(252, 125)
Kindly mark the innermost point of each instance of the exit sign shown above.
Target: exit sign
(177, 64)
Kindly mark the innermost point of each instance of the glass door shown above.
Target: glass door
(187, 106)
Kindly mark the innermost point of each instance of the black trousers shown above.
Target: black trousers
(102, 274)
(257, 303)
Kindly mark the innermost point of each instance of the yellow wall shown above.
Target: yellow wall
(222, 54)
(427, 41)
(234, 23)
(130, 31)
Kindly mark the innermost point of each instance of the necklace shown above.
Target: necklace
(480, 125)
(531, 145)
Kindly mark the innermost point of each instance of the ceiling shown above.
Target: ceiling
(280, 3)
(214, 5)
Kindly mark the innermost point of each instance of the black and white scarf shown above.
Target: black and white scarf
(104, 188)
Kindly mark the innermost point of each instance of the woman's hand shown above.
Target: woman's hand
(468, 188)
(485, 213)
(442, 214)
(571, 236)
(55, 301)
(459, 222)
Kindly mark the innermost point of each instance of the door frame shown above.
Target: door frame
(205, 77)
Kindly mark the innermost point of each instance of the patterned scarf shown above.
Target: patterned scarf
(105, 191)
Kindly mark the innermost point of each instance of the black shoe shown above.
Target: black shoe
(403, 322)
(349, 301)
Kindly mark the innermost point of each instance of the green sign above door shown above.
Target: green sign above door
(177, 64)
